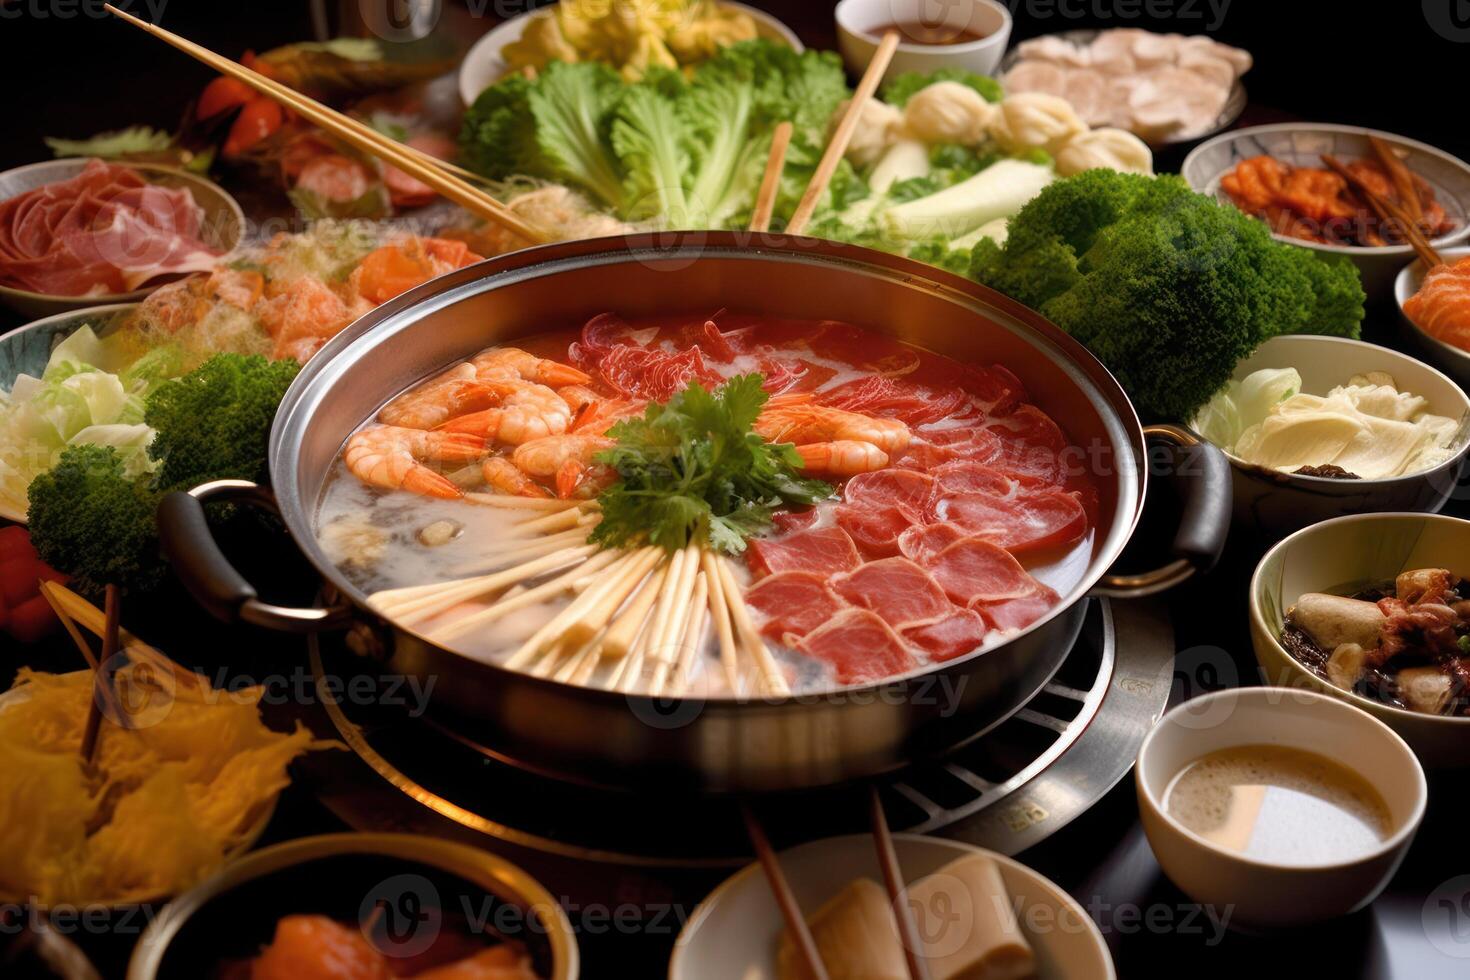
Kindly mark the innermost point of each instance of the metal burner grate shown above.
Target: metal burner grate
(1008, 790)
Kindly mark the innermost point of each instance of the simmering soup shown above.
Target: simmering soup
(1279, 804)
(721, 505)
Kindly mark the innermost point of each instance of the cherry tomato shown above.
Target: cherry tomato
(257, 120)
(221, 95)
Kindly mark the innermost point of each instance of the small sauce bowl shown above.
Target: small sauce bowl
(1260, 895)
(860, 24)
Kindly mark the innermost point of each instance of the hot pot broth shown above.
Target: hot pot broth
(956, 516)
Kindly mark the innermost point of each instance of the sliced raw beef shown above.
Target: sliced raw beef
(1021, 612)
(875, 530)
(795, 520)
(922, 542)
(895, 398)
(647, 372)
(1026, 522)
(106, 230)
(974, 570)
(896, 589)
(1031, 445)
(793, 603)
(955, 635)
(931, 448)
(826, 552)
(962, 476)
(906, 490)
(860, 647)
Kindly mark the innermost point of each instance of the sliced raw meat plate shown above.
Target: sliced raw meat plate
(794, 603)
(1031, 445)
(875, 530)
(922, 542)
(827, 552)
(953, 636)
(795, 520)
(907, 490)
(974, 570)
(1026, 522)
(860, 647)
(962, 476)
(896, 589)
(1018, 613)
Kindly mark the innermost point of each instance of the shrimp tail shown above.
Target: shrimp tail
(483, 425)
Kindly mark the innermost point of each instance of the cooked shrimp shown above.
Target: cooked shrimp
(805, 424)
(598, 418)
(842, 457)
(392, 457)
(546, 457)
(523, 412)
(453, 393)
(579, 397)
(503, 475)
(512, 362)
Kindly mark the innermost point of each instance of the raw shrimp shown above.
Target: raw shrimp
(503, 475)
(392, 457)
(842, 457)
(452, 394)
(512, 362)
(805, 424)
(522, 412)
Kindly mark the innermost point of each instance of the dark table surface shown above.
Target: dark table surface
(100, 75)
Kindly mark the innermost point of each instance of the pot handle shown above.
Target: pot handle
(1204, 523)
(183, 530)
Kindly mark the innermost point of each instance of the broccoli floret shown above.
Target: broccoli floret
(92, 520)
(1167, 287)
(938, 252)
(214, 423)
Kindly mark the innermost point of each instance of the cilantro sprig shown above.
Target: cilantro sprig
(693, 469)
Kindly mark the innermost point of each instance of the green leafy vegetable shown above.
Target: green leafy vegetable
(1169, 288)
(693, 469)
(114, 144)
(905, 86)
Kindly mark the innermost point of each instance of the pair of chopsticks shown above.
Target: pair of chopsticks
(1408, 216)
(908, 932)
(444, 178)
(103, 695)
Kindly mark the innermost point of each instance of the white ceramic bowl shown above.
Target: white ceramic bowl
(483, 65)
(859, 20)
(1454, 361)
(1277, 503)
(733, 934)
(1302, 145)
(222, 228)
(1265, 895)
(1337, 556)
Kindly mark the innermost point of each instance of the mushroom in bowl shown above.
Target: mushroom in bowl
(1316, 427)
(1371, 608)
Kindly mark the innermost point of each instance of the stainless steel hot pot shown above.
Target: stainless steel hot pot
(719, 745)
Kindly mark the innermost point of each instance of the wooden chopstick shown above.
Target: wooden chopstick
(842, 135)
(908, 932)
(790, 910)
(102, 679)
(765, 199)
(1403, 181)
(1387, 211)
(352, 132)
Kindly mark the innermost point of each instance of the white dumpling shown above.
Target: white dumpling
(878, 127)
(1034, 120)
(1110, 149)
(948, 112)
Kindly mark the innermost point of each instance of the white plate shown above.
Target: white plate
(483, 66)
(734, 932)
(1454, 361)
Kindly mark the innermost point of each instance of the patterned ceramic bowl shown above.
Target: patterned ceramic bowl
(1302, 145)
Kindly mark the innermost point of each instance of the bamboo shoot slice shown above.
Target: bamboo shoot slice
(422, 605)
(596, 617)
(575, 580)
(554, 627)
(511, 502)
(769, 669)
(688, 642)
(624, 630)
(729, 655)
